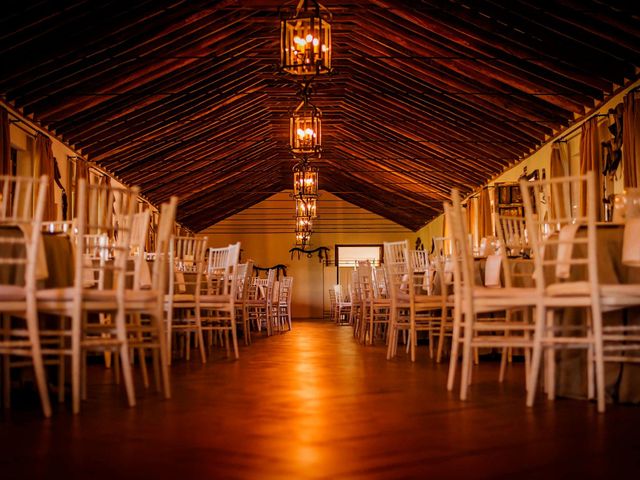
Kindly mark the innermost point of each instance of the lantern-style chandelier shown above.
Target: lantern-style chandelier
(306, 207)
(304, 229)
(306, 128)
(305, 180)
(305, 39)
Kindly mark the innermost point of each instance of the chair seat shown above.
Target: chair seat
(9, 293)
(68, 294)
(215, 299)
(510, 292)
(140, 295)
(181, 297)
(581, 288)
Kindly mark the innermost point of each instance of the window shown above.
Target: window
(348, 255)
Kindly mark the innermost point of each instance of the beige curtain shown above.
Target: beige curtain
(5, 143)
(560, 201)
(82, 172)
(44, 153)
(471, 218)
(631, 140)
(591, 159)
(485, 227)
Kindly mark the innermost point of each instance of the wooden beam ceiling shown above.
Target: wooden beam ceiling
(183, 97)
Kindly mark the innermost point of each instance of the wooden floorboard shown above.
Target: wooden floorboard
(313, 403)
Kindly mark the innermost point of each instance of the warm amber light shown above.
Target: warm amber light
(305, 41)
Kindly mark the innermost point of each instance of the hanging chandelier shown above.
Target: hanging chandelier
(305, 180)
(306, 128)
(306, 207)
(304, 229)
(305, 39)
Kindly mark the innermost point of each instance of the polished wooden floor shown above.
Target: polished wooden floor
(312, 403)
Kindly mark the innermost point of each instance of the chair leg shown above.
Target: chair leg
(503, 364)
(38, 365)
(75, 360)
(536, 359)
(125, 363)
(455, 345)
(164, 352)
(466, 360)
(596, 321)
(169, 333)
(551, 358)
(200, 336)
(234, 337)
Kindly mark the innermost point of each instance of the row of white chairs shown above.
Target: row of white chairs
(525, 312)
(115, 304)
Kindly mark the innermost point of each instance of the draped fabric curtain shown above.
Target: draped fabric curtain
(591, 159)
(560, 201)
(631, 140)
(82, 172)
(44, 154)
(5, 143)
(485, 227)
(471, 219)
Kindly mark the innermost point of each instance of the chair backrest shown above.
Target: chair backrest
(380, 283)
(332, 297)
(138, 241)
(426, 273)
(514, 241)
(364, 280)
(162, 245)
(20, 251)
(396, 264)
(104, 220)
(464, 279)
(244, 275)
(556, 251)
(286, 284)
(221, 272)
(187, 258)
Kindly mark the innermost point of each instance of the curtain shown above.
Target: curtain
(631, 140)
(82, 172)
(485, 227)
(45, 155)
(5, 143)
(560, 201)
(471, 219)
(591, 159)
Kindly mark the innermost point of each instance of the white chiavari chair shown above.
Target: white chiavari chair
(344, 312)
(374, 305)
(181, 304)
(284, 302)
(104, 218)
(566, 274)
(218, 295)
(517, 269)
(243, 280)
(149, 332)
(260, 301)
(472, 299)
(357, 304)
(332, 304)
(20, 251)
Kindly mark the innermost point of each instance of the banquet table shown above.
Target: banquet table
(622, 379)
(58, 254)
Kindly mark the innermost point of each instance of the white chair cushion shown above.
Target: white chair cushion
(9, 293)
